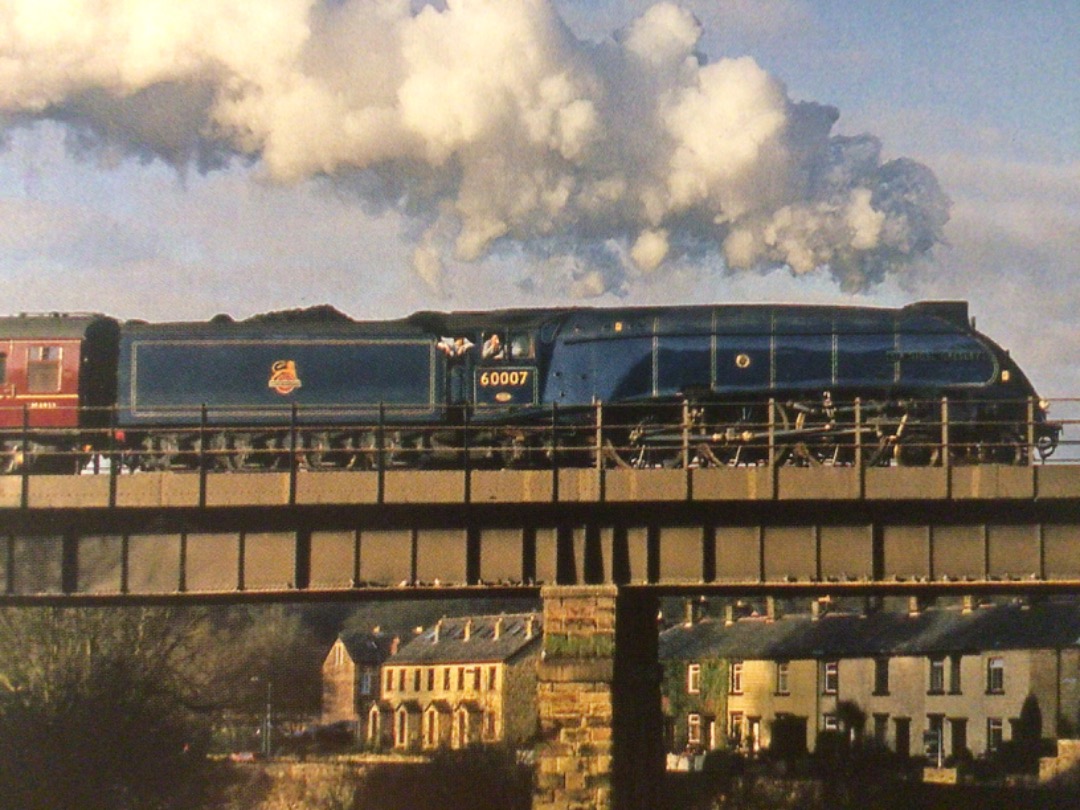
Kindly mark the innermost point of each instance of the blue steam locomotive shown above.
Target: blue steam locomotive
(700, 385)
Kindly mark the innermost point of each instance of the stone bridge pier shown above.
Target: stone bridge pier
(599, 701)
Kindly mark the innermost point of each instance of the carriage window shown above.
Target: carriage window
(3, 369)
(521, 346)
(43, 369)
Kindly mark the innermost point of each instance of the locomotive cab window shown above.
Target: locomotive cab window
(521, 346)
(494, 346)
(43, 369)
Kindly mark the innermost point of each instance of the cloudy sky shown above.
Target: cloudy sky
(171, 160)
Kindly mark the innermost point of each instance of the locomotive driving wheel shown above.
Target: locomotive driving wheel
(160, 451)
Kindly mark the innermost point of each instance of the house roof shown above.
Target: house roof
(368, 648)
(1043, 625)
(472, 639)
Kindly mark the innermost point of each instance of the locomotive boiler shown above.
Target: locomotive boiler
(633, 386)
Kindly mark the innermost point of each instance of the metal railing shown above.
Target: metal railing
(673, 435)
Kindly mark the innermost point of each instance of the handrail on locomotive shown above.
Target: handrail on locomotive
(684, 434)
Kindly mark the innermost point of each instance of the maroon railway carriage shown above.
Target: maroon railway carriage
(57, 377)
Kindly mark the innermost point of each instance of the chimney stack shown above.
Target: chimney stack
(438, 631)
(468, 629)
(529, 626)
(729, 614)
(498, 628)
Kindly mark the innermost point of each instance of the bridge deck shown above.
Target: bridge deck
(165, 490)
(377, 534)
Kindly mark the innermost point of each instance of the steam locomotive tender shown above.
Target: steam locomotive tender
(701, 385)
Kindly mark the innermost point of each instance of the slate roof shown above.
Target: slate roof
(445, 642)
(1043, 625)
(369, 649)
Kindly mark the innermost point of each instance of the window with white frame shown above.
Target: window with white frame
(735, 681)
(831, 678)
(693, 729)
(830, 722)
(937, 676)
(995, 734)
(783, 686)
(735, 728)
(693, 679)
(995, 675)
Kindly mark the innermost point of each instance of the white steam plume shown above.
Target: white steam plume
(488, 120)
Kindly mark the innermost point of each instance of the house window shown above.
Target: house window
(958, 727)
(881, 729)
(389, 680)
(782, 686)
(416, 679)
(954, 675)
(693, 729)
(934, 738)
(881, 676)
(461, 679)
(446, 678)
(431, 679)
(937, 676)
(735, 728)
(374, 730)
(339, 654)
(43, 370)
(736, 671)
(401, 679)
(401, 729)
(995, 734)
(831, 681)
(995, 676)
(830, 722)
(493, 677)
(431, 728)
(490, 726)
(902, 732)
(693, 679)
(365, 683)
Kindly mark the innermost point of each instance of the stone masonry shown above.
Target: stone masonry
(575, 699)
(598, 701)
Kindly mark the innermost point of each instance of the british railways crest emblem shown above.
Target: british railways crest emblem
(283, 377)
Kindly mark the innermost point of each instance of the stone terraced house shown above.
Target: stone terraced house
(350, 677)
(949, 680)
(462, 682)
